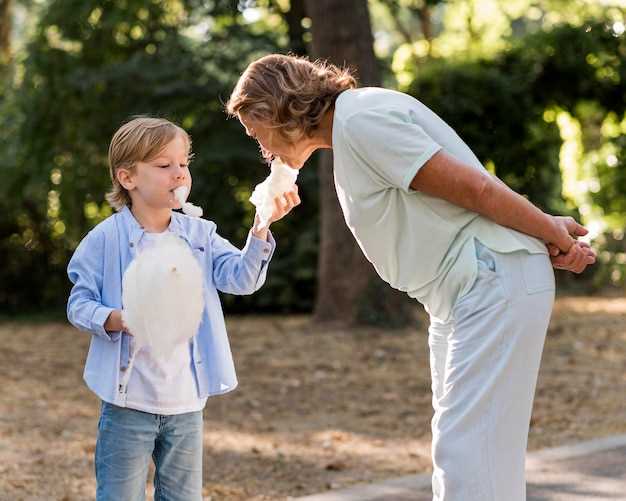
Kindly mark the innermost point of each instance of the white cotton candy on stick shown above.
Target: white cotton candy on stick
(163, 296)
(281, 180)
(190, 209)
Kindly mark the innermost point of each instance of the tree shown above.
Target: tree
(88, 67)
(5, 30)
(293, 18)
(348, 288)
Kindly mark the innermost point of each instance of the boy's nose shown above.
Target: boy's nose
(180, 172)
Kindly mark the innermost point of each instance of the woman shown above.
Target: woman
(436, 225)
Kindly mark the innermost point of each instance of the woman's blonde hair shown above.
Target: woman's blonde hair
(139, 140)
(289, 93)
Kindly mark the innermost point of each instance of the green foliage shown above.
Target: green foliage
(612, 176)
(92, 65)
(498, 105)
(495, 114)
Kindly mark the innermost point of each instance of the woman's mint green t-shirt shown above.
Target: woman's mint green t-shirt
(419, 244)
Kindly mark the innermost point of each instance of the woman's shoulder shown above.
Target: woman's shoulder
(366, 103)
(364, 98)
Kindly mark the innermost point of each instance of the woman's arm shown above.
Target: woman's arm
(443, 176)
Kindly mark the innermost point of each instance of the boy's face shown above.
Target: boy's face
(152, 183)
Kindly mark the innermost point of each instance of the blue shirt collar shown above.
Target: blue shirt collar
(136, 231)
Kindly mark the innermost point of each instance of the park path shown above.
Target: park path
(589, 471)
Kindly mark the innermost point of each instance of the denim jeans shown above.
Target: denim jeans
(127, 439)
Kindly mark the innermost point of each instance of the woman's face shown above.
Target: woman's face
(274, 145)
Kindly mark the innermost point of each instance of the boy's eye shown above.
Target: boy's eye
(162, 166)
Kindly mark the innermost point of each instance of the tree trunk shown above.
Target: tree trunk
(293, 17)
(427, 26)
(5, 31)
(349, 291)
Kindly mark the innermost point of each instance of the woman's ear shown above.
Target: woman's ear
(126, 178)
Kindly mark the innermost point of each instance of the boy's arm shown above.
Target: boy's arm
(443, 176)
(241, 271)
(85, 270)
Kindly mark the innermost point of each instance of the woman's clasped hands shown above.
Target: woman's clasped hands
(566, 252)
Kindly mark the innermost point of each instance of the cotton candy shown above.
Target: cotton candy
(281, 179)
(190, 209)
(163, 297)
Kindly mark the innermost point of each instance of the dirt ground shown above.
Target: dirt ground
(316, 408)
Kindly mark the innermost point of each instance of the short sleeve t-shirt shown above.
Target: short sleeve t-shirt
(417, 243)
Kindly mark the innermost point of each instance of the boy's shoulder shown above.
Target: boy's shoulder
(96, 238)
(194, 227)
(192, 221)
(107, 224)
(103, 228)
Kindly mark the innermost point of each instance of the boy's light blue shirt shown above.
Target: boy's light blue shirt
(96, 270)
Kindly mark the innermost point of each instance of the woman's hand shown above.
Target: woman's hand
(567, 253)
(282, 206)
(579, 256)
(564, 232)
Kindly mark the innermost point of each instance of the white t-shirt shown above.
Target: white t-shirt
(419, 244)
(163, 385)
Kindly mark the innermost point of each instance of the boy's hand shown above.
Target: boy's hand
(115, 322)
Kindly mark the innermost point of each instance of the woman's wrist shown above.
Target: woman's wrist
(550, 230)
(559, 234)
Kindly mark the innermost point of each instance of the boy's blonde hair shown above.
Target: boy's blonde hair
(289, 93)
(139, 140)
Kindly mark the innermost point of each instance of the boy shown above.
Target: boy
(159, 412)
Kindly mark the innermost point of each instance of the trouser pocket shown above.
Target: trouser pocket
(537, 272)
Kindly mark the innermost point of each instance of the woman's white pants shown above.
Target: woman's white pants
(484, 364)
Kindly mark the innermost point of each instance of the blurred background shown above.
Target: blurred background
(535, 87)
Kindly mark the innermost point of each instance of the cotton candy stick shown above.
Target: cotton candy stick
(281, 179)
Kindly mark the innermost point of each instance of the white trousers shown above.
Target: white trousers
(484, 364)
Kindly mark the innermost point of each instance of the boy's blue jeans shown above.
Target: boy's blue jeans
(127, 439)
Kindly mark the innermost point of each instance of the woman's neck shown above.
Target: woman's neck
(324, 136)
